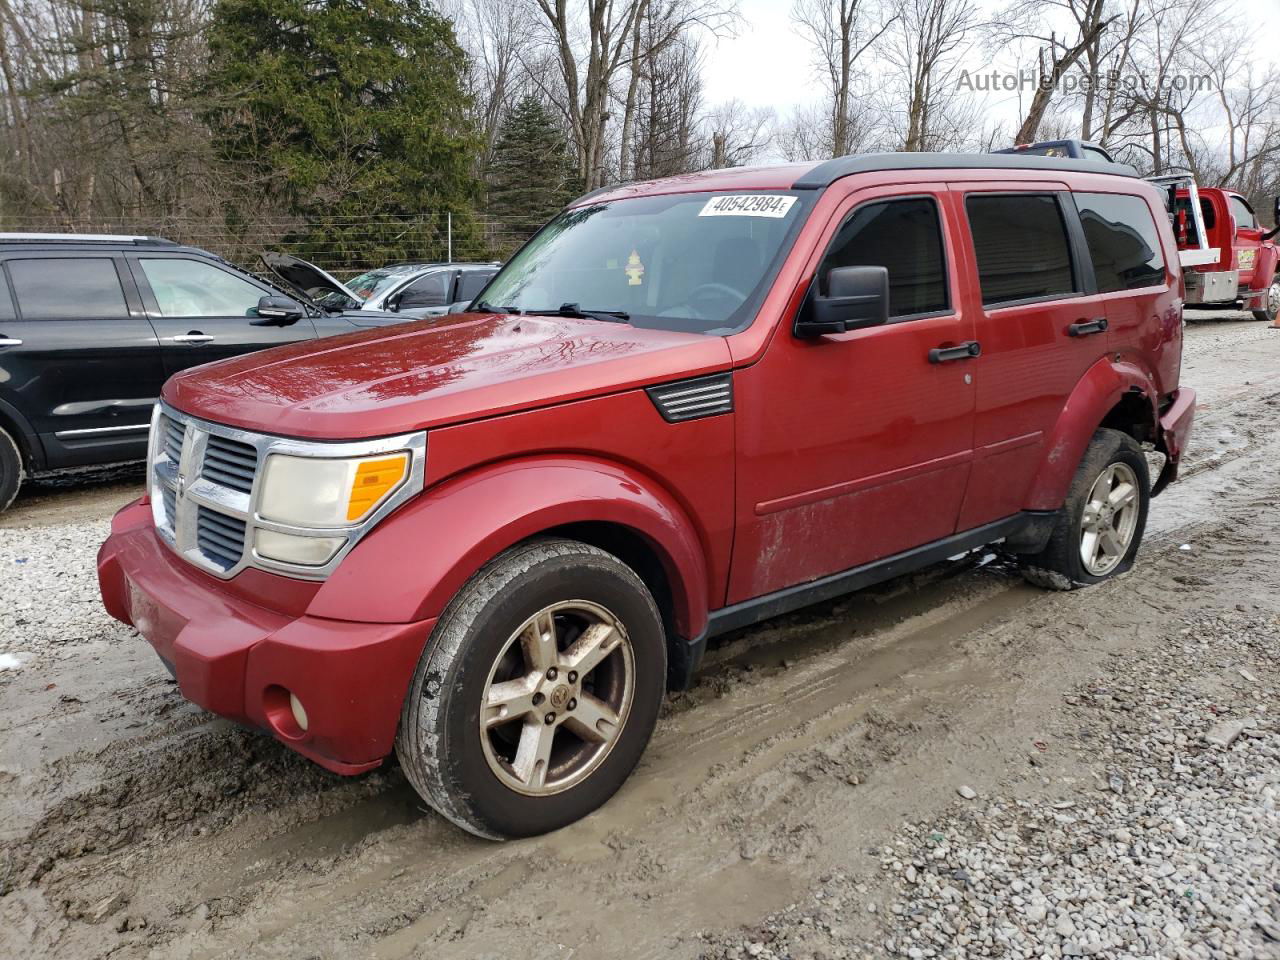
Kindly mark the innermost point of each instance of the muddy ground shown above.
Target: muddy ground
(132, 824)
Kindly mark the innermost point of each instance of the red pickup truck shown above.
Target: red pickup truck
(492, 543)
(1230, 260)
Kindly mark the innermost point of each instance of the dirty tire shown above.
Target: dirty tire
(1060, 565)
(1271, 306)
(439, 742)
(11, 473)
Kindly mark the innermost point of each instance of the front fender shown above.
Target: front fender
(411, 566)
(1094, 396)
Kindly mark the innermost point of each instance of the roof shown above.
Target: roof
(817, 175)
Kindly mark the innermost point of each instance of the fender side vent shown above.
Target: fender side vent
(692, 399)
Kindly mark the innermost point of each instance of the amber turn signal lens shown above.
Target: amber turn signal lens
(374, 480)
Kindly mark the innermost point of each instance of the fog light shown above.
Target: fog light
(299, 712)
(304, 551)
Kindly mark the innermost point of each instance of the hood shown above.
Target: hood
(305, 277)
(414, 376)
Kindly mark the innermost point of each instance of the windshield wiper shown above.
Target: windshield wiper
(573, 310)
(484, 306)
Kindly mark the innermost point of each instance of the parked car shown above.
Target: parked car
(413, 290)
(492, 543)
(91, 326)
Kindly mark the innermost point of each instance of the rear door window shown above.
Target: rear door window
(1122, 239)
(903, 236)
(1022, 248)
(68, 288)
(471, 282)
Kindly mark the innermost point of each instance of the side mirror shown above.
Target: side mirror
(393, 302)
(856, 297)
(277, 311)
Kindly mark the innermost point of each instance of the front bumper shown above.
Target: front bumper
(241, 659)
(1175, 431)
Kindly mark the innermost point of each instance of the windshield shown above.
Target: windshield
(373, 283)
(697, 262)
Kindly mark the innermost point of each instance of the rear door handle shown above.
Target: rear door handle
(961, 351)
(1082, 328)
(9, 342)
(192, 338)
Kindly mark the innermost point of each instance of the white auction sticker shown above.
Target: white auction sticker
(773, 205)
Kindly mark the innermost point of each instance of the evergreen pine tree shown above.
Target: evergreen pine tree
(532, 174)
(352, 116)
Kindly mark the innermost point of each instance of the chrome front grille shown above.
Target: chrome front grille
(201, 482)
(230, 463)
(220, 537)
(205, 481)
(169, 499)
(171, 435)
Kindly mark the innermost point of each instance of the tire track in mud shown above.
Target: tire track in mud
(800, 738)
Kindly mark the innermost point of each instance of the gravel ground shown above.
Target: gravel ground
(1169, 846)
(953, 764)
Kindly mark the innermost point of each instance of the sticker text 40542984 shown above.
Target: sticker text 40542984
(773, 205)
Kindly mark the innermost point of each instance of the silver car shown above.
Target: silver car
(412, 290)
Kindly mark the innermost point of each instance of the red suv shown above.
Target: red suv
(491, 544)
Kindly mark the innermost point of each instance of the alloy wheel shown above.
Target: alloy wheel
(557, 698)
(1110, 519)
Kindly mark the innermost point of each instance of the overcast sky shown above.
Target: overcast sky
(769, 64)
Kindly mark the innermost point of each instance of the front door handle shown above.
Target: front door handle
(192, 337)
(9, 342)
(1082, 328)
(961, 351)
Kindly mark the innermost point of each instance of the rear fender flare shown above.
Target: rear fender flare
(1097, 392)
(411, 566)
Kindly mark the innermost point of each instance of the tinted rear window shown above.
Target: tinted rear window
(67, 288)
(1022, 248)
(472, 282)
(1123, 242)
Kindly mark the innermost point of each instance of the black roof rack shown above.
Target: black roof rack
(829, 171)
(116, 239)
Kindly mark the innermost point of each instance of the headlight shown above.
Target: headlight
(316, 492)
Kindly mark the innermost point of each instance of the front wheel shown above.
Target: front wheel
(1270, 304)
(1099, 529)
(537, 691)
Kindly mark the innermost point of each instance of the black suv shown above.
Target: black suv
(91, 326)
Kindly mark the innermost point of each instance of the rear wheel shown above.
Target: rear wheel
(11, 472)
(537, 692)
(1270, 304)
(1099, 529)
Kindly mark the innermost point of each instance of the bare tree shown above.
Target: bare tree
(839, 32)
(497, 36)
(737, 133)
(923, 53)
(1057, 54)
